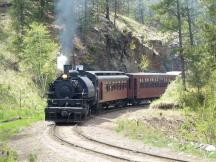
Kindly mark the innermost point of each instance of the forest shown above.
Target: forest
(37, 37)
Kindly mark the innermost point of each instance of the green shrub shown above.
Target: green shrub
(202, 126)
(7, 155)
(39, 55)
(32, 158)
(206, 122)
(199, 107)
(173, 95)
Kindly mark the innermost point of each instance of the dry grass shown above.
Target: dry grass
(165, 106)
(141, 31)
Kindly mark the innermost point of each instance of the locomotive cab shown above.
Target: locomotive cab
(69, 98)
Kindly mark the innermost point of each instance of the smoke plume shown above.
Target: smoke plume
(67, 14)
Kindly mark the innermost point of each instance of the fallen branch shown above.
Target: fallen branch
(11, 120)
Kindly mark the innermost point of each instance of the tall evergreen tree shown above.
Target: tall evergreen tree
(108, 9)
(169, 15)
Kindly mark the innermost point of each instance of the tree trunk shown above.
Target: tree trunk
(97, 6)
(140, 15)
(107, 10)
(115, 13)
(86, 5)
(181, 44)
(42, 6)
(22, 19)
(108, 45)
(128, 8)
(189, 19)
(141, 12)
(85, 20)
(93, 4)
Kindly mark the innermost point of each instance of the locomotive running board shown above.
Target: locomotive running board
(74, 108)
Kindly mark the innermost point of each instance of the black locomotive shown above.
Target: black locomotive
(70, 98)
(77, 93)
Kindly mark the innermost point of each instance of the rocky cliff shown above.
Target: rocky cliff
(123, 47)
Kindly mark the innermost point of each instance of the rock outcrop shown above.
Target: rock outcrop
(107, 47)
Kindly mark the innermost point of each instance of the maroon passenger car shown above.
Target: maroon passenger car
(111, 87)
(118, 89)
(149, 85)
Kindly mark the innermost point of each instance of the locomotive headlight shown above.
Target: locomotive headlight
(64, 76)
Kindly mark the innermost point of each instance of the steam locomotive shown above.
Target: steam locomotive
(77, 93)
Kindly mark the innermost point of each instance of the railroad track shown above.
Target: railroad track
(76, 139)
(79, 132)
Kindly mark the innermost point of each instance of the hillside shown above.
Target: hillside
(19, 96)
(124, 47)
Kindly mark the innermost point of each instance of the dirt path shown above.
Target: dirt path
(37, 141)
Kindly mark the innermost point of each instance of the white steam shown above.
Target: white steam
(61, 61)
(68, 13)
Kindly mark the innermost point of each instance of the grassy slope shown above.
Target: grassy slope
(170, 97)
(156, 137)
(141, 31)
(181, 140)
(19, 97)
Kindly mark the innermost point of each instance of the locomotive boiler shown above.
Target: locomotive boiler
(70, 97)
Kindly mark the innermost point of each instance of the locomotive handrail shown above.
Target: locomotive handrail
(74, 93)
(77, 107)
(68, 99)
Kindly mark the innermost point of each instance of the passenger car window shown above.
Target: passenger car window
(107, 87)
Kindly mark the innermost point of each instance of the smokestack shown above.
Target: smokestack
(67, 69)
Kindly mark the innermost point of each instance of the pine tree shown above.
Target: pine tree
(108, 9)
(169, 15)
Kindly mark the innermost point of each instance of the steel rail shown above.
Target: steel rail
(84, 148)
(126, 149)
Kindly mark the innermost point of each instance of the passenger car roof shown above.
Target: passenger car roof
(102, 73)
(156, 74)
(114, 77)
